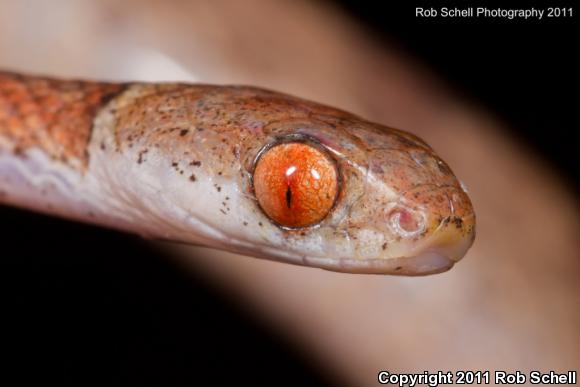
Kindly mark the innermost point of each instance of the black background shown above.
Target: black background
(523, 71)
(80, 304)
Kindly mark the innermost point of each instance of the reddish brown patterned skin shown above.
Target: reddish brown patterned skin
(53, 115)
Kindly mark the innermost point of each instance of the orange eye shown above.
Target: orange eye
(296, 184)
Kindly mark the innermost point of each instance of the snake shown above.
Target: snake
(235, 168)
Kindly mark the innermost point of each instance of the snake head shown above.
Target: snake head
(399, 208)
(274, 176)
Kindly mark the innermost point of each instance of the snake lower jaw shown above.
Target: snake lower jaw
(419, 265)
(437, 254)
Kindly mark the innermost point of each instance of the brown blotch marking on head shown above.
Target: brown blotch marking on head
(195, 163)
(142, 153)
(458, 222)
(223, 212)
(398, 268)
(192, 177)
(384, 246)
(245, 223)
(18, 151)
(183, 132)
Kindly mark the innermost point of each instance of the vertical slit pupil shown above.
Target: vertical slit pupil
(289, 197)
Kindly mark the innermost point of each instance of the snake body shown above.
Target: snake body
(176, 162)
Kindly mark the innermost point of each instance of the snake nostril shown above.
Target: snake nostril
(406, 222)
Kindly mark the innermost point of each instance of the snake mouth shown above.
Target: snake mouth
(440, 253)
(428, 262)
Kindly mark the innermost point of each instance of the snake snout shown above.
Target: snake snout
(454, 232)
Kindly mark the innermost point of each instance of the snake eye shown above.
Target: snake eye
(296, 184)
